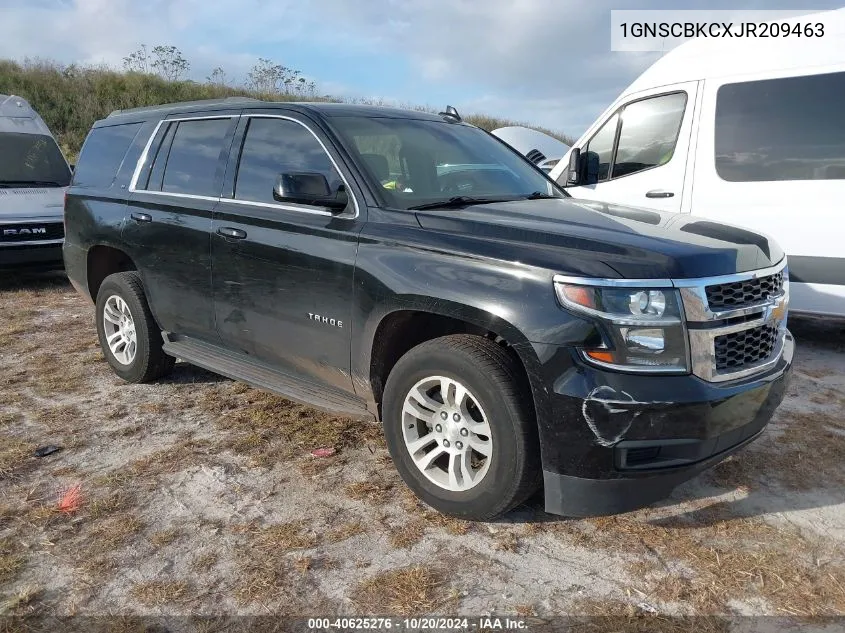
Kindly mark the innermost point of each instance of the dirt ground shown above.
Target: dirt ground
(199, 496)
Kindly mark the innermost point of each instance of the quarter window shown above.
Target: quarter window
(194, 155)
(103, 153)
(275, 146)
(602, 145)
(781, 129)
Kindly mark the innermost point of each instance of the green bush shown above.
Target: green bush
(71, 98)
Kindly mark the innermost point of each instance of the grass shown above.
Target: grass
(375, 492)
(407, 535)
(283, 537)
(163, 538)
(407, 591)
(11, 559)
(114, 532)
(159, 592)
(344, 531)
(14, 454)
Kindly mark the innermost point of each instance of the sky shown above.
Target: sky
(545, 62)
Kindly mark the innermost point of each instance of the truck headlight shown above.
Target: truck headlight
(643, 328)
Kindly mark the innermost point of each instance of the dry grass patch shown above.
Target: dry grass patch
(808, 445)
(407, 591)
(506, 541)
(14, 454)
(344, 531)
(599, 616)
(408, 535)
(165, 537)
(114, 532)
(21, 603)
(726, 559)
(376, 492)
(110, 505)
(11, 560)
(204, 562)
(185, 453)
(158, 592)
(412, 505)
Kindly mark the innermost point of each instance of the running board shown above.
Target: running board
(261, 376)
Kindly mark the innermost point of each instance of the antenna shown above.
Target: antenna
(451, 115)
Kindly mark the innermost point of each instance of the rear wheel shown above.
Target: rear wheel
(460, 427)
(129, 336)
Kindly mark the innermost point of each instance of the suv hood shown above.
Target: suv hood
(23, 204)
(571, 236)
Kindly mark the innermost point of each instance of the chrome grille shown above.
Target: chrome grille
(742, 293)
(738, 350)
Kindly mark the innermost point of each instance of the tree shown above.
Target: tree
(265, 76)
(138, 62)
(217, 77)
(169, 62)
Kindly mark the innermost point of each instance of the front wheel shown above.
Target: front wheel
(129, 336)
(460, 427)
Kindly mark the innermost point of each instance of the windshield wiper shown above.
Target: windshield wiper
(539, 195)
(29, 183)
(458, 201)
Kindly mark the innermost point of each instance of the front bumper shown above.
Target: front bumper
(32, 256)
(615, 442)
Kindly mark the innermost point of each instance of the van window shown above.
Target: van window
(194, 156)
(102, 155)
(781, 129)
(602, 144)
(649, 133)
(31, 160)
(273, 146)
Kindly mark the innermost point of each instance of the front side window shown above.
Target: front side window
(781, 129)
(649, 133)
(276, 146)
(417, 162)
(31, 160)
(191, 164)
(601, 145)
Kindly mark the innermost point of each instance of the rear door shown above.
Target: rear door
(283, 273)
(642, 150)
(173, 193)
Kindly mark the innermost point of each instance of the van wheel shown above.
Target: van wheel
(129, 336)
(460, 427)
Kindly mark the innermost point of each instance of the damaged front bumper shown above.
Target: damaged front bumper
(615, 442)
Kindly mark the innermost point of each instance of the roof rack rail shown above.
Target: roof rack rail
(183, 104)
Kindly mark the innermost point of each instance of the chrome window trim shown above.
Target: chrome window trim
(285, 207)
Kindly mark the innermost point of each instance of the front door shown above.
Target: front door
(642, 150)
(283, 273)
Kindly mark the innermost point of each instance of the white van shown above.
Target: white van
(748, 132)
(33, 179)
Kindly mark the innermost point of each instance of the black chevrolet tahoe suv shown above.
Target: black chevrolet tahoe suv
(413, 268)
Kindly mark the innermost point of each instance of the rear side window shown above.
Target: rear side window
(781, 129)
(275, 146)
(194, 155)
(102, 155)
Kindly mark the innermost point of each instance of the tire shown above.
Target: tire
(144, 361)
(494, 393)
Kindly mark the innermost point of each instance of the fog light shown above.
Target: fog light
(640, 339)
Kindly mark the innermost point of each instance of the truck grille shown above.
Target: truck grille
(31, 232)
(737, 350)
(742, 293)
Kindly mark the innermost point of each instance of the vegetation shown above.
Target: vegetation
(71, 97)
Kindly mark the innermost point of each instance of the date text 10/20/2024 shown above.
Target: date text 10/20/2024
(417, 624)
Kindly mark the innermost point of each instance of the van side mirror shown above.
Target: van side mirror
(572, 172)
(591, 169)
(306, 187)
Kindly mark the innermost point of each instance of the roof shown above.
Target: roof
(704, 58)
(16, 115)
(326, 109)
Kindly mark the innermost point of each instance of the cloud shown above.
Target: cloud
(545, 61)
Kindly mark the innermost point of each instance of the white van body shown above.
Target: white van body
(33, 177)
(745, 131)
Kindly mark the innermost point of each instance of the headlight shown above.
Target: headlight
(643, 327)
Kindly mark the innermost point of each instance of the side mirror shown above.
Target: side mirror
(572, 172)
(591, 171)
(305, 187)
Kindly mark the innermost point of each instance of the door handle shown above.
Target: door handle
(234, 234)
(659, 193)
(141, 217)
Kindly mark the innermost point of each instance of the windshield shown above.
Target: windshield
(421, 162)
(31, 160)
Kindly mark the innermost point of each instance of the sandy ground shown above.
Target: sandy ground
(199, 496)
